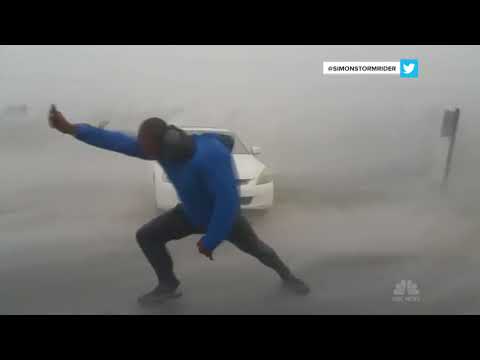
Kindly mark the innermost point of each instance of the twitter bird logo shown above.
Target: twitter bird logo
(409, 68)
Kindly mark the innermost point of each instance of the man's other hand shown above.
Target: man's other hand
(58, 121)
(203, 250)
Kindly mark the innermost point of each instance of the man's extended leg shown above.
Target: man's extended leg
(152, 238)
(244, 237)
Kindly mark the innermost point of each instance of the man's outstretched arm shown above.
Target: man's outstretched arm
(101, 138)
(109, 140)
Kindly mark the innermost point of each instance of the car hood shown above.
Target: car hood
(248, 166)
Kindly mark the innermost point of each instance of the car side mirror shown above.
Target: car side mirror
(256, 150)
(103, 124)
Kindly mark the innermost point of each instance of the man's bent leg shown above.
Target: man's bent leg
(153, 237)
(244, 237)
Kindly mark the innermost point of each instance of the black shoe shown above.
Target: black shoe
(296, 285)
(159, 295)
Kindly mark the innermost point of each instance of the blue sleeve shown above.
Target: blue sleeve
(109, 140)
(219, 174)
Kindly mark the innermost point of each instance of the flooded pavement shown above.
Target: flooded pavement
(68, 246)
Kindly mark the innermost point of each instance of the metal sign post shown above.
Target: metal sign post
(449, 129)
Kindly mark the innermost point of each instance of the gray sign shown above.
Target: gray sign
(450, 121)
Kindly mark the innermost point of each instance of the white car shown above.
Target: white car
(255, 180)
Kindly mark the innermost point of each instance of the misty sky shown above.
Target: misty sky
(347, 127)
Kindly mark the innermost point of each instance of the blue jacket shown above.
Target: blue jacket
(205, 184)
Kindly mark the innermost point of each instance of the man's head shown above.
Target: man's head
(160, 141)
(150, 136)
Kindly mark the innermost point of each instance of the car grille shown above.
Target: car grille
(246, 200)
(242, 181)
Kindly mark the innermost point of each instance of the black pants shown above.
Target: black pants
(173, 225)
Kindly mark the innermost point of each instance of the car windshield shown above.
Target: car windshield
(238, 147)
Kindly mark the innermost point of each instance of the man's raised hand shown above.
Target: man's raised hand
(58, 121)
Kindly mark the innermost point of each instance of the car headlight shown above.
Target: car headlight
(265, 177)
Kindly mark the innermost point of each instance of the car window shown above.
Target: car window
(238, 147)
